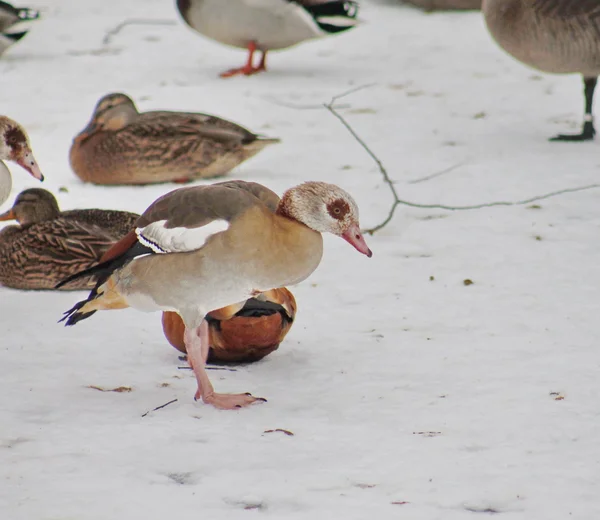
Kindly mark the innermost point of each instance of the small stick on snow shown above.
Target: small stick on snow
(159, 407)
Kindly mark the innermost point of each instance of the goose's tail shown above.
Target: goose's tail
(104, 296)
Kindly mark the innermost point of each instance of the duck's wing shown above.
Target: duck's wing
(56, 249)
(115, 223)
(180, 125)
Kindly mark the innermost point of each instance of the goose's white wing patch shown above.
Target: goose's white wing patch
(178, 240)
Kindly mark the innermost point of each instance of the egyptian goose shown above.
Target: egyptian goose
(247, 335)
(557, 36)
(123, 146)
(11, 27)
(14, 146)
(202, 248)
(265, 25)
(49, 245)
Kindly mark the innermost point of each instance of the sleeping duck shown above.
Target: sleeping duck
(48, 245)
(123, 146)
(265, 25)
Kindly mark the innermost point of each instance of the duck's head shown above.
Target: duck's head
(325, 208)
(112, 112)
(14, 146)
(32, 206)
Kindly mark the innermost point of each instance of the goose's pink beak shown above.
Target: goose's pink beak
(355, 238)
(26, 160)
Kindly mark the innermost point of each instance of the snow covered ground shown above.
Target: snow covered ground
(410, 394)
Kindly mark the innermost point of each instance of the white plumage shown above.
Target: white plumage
(162, 239)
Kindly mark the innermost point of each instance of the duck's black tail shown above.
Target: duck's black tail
(334, 16)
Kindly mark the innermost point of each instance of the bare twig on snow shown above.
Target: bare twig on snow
(398, 201)
(159, 407)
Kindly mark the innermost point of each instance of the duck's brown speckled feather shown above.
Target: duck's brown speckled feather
(41, 255)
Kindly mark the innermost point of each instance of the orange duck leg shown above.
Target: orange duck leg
(241, 335)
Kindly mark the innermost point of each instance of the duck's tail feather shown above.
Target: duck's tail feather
(334, 16)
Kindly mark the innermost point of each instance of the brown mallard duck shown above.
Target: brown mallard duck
(123, 146)
(250, 334)
(49, 245)
(14, 146)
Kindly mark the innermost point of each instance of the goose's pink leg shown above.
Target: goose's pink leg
(249, 68)
(196, 344)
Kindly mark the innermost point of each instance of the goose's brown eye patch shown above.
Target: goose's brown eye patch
(15, 138)
(338, 209)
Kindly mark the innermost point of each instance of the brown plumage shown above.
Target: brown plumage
(123, 146)
(249, 335)
(49, 245)
(556, 36)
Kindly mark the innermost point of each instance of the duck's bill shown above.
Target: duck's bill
(8, 215)
(355, 238)
(28, 162)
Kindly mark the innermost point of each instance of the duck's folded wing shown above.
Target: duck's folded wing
(181, 125)
(68, 245)
(185, 219)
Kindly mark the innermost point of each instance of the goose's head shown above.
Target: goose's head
(112, 112)
(325, 208)
(32, 206)
(14, 146)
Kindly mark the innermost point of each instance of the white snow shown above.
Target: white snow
(380, 354)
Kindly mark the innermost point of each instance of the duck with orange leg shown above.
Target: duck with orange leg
(201, 248)
(266, 25)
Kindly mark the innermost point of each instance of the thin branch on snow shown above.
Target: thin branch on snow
(159, 407)
(397, 201)
(208, 367)
(437, 174)
(134, 21)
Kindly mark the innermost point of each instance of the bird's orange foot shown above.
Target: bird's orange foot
(245, 70)
(229, 401)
